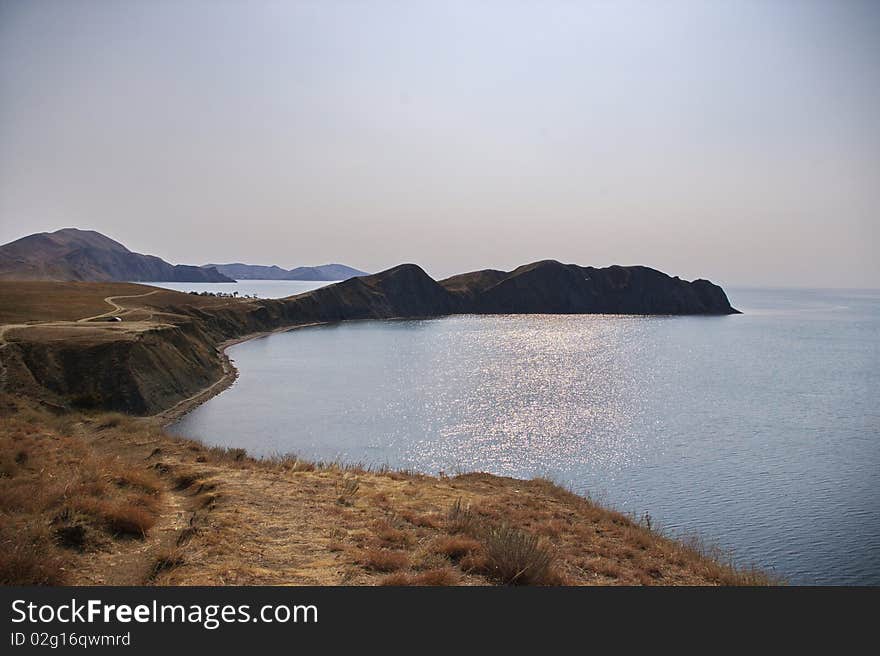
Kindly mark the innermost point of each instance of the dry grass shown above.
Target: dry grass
(166, 560)
(384, 560)
(502, 552)
(515, 557)
(58, 301)
(58, 498)
(80, 497)
(42, 300)
(434, 577)
(347, 489)
(456, 547)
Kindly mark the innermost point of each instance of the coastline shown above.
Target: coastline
(179, 512)
(167, 417)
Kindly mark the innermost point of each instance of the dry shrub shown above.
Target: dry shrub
(112, 420)
(515, 557)
(384, 560)
(58, 496)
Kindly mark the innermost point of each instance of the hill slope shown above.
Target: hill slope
(551, 287)
(72, 254)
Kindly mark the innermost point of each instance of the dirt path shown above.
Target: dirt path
(117, 309)
(132, 561)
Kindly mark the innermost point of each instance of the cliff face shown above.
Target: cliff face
(72, 254)
(140, 373)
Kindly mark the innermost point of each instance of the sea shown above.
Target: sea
(758, 433)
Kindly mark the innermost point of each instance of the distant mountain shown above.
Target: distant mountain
(260, 272)
(72, 254)
(325, 272)
(241, 271)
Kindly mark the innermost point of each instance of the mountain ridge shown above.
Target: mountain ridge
(71, 254)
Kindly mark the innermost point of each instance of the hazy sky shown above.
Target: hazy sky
(734, 140)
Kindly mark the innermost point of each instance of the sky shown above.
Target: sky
(735, 141)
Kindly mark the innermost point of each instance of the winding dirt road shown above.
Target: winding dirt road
(117, 309)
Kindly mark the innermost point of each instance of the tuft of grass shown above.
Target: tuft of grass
(129, 519)
(461, 519)
(137, 479)
(420, 519)
(384, 560)
(515, 557)
(347, 488)
(433, 577)
(28, 555)
(165, 560)
(388, 535)
(456, 547)
(500, 551)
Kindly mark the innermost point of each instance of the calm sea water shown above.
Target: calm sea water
(262, 288)
(760, 432)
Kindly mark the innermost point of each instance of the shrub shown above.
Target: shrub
(515, 557)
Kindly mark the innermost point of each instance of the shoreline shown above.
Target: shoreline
(208, 515)
(183, 407)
